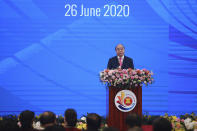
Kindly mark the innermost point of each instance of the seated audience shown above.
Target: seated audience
(161, 124)
(70, 118)
(47, 119)
(9, 124)
(93, 122)
(133, 121)
(26, 119)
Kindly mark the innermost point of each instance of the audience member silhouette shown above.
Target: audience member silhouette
(93, 122)
(133, 120)
(54, 128)
(47, 119)
(9, 124)
(161, 124)
(70, 118)
(26, 119)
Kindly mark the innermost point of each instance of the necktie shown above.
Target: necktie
(120, 61)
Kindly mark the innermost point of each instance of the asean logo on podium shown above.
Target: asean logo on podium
(125, 100)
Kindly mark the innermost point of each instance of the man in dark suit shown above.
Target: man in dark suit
(120, 61)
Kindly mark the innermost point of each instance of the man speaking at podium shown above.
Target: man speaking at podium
(120, 61)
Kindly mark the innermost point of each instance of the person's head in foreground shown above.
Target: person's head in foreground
(161, 124)
(93, 121)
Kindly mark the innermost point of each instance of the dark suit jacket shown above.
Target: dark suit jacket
(113, 63)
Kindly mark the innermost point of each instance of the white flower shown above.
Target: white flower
(113, 77)
(37, 126)
(110, 72)
(188, 120)
(19, 124)
(189, 124)
(83, 118)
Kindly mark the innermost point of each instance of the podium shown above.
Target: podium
(116, 118)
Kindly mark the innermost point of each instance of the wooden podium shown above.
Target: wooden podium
(116, 118)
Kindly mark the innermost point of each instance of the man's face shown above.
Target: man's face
(120, 50)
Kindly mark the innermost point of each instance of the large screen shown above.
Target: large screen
(51, 53)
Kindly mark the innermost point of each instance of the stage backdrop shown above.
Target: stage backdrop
(51, 54)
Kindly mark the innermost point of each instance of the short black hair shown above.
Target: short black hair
(71, 117)
(47, 117)
(133, 120)
(93, 121)
(162, 124)
(26, 118)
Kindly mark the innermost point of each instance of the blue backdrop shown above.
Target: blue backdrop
(49, 61)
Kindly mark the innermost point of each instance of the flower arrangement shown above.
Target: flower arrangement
(184, 123)
(177, 123)
(126, 77)
(81, 125)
